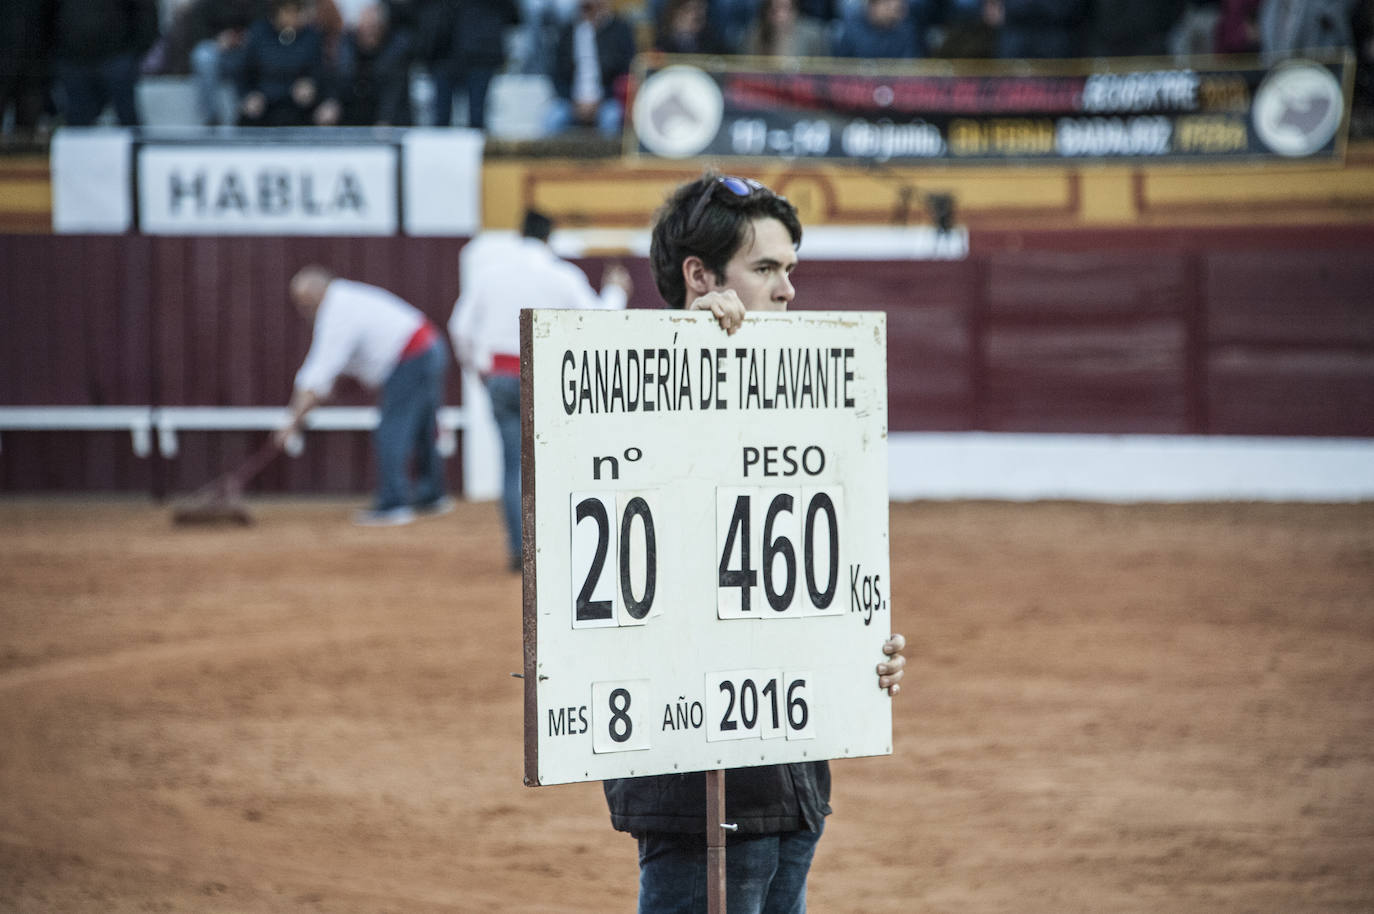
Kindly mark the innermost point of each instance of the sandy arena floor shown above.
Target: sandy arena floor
(1108, 709)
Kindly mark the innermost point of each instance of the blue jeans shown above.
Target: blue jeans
(408, 430)
(609, 116)
(89, 87)
(475, 81)
(764, 874)
(211, 67)
(504, 391)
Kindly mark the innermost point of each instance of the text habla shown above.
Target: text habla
(266, 192)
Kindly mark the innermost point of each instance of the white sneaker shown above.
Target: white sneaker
(391, 517)
(437, 508)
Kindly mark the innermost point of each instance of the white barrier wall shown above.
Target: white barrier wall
(1128, 468)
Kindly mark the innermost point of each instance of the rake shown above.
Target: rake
(221, 500)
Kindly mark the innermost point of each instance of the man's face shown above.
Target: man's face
(301, 303)
(370, 29)
(291, 16)
(759, 272)
(306, 293)
(886, 13)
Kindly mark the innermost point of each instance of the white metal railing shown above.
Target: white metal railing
(137, 420)
(142, 421)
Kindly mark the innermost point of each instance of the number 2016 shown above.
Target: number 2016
(614, 558)
(777, 540)
(749, 704)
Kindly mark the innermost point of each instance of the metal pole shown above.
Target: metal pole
(716, 828)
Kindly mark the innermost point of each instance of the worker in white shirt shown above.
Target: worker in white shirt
(504, 276)
(387, 345)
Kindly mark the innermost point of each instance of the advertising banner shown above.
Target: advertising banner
(1208, 109)
(328, 181)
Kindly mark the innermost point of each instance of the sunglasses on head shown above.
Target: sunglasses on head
(740, 187)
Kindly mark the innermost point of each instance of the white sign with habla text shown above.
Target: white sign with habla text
(706, 523)
(283, 190)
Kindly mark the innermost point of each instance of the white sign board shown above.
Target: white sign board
(307, 181)
(706, 541)
(281, 189)
(90, 180)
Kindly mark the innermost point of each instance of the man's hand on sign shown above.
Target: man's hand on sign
(725, 305)
(890, 670)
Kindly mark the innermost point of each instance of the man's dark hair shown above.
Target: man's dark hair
(714, 232)
(536, 225)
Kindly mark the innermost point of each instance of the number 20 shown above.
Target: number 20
(588, 610)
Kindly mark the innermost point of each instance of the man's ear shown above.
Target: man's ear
(695, 275)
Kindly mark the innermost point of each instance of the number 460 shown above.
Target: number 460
(792, 535)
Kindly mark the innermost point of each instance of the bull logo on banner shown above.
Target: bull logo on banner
(1298, 109)
(678, 111)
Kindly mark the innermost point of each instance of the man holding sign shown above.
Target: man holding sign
(728, 245)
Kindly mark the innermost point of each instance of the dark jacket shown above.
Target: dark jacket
(373, 84)
(707, 41)
(768, 800)
(272, 65)
(615, 49)
(432, 23)
(1129, 28)
(479, 38)
(1042, 29)
(89, 31)
(859, 38)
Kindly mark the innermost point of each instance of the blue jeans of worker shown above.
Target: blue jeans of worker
(504, 391)
(408, 430)
(89, 87)
(764, 874)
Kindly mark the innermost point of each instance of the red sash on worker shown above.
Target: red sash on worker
(502, 364)
(419, 341)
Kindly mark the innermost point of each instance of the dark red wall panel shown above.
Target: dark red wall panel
(1085, 342)
(1094, 286)
(1297, 297)
(1084, 378)
(930, 343)
(1258, 391)
(73, 332)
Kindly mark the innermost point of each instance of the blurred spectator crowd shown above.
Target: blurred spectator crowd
(364, 62)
